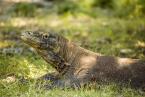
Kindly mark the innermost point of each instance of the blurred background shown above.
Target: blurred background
(110, 27)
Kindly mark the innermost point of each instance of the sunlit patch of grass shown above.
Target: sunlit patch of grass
(14, 89)
(21, 66)
(21, 22)
(18, 22)
(140, 44)
(11, 66)
(4, 44)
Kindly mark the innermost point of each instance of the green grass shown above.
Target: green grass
(18, 89)
(99, 32)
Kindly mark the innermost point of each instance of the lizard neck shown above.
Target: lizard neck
(54, 60)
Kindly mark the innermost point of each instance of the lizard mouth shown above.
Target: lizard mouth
(25, 36)
(28, 39)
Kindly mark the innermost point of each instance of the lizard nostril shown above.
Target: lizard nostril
(29, 32)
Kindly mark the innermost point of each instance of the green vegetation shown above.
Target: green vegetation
(110, 27)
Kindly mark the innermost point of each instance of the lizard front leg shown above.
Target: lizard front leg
(64, 83)
(71, 80)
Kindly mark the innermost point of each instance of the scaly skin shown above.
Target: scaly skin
(77, 66)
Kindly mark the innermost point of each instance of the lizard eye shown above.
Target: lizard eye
(29, 32)
(45, 36)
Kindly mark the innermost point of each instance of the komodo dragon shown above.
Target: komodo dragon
(77, 66)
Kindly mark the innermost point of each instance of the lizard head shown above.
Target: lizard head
(41, 40)
(48, 45)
